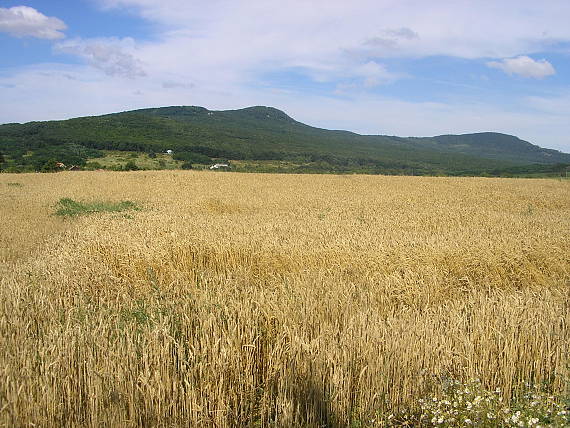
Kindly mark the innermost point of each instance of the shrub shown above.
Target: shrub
(49, 166)
(93, 165)
(130, 166)
(192, 157)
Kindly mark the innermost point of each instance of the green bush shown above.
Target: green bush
(130, 166)
(192, 157)
(93, 165)
(49, 166)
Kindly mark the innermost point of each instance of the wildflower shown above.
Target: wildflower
(532, 421)
(468, 421)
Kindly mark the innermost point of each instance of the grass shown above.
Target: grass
(283, 300)
(67, 207)
(14, 184)
(116, 160)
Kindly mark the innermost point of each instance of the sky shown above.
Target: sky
(392, 67)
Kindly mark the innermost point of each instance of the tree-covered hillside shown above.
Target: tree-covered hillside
(260, 133)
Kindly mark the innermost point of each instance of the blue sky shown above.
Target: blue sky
(397, 67)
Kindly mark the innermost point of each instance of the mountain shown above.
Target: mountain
(265, 133)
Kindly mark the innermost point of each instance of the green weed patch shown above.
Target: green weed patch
(67, 207)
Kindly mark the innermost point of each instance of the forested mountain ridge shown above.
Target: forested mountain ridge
(263, 133)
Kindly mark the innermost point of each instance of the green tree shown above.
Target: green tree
(50, 166)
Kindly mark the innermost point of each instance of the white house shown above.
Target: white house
(219, 165)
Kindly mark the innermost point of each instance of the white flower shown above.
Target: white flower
(533, 421)
(468, 421)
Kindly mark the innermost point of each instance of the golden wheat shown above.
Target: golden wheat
(275, 300)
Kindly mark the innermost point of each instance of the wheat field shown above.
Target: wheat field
(255, 300)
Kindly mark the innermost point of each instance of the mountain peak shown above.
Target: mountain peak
(264, 112)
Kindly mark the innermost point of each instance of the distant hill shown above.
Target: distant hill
(264, 133)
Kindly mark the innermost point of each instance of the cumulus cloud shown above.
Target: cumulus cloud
(524, 66)
(446, 27)
(329, 41)
(374, 74)
(108, 55)
(24, 21)
(391, 38)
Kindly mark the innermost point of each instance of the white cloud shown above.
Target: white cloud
(394, 40)
(524, 66)
(332, 41)
(23, 21)
(462, 28)
(108, 55)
